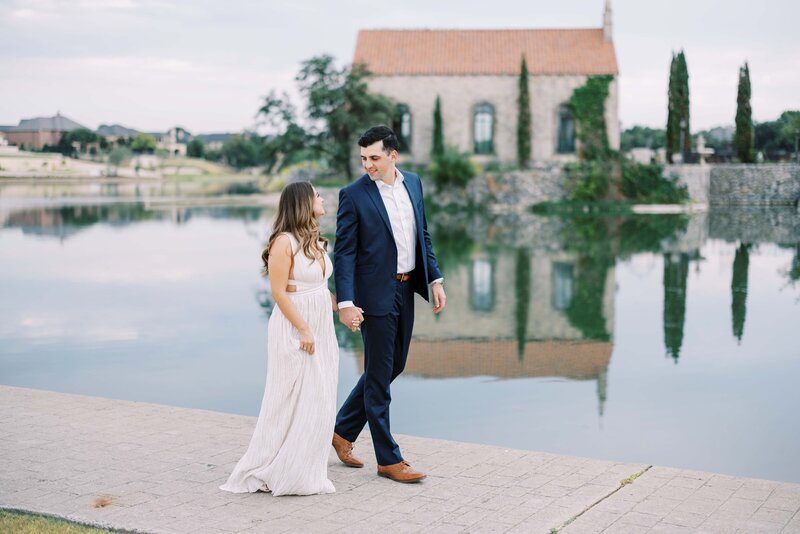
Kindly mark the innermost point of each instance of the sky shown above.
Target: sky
(206, 65)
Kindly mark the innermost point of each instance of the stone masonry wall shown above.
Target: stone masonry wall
(695, 177)
(777, 184)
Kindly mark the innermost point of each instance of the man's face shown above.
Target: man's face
(378, 164)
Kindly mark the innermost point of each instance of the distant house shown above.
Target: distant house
(173, 141)
(476, 74)
(40, 131)
(213, 141)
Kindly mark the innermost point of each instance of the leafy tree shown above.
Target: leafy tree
(642, 136)
(81, 137)
(143, 143)
(117, 157)
(790, 131)
(288, 142)
(523, 118)
(744, 118)
(239, 151)
(339, 106)
(340, 101)
(212, 154)
(195, 148)
(438, 129)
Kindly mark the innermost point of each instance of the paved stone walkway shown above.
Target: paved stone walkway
(157, 468)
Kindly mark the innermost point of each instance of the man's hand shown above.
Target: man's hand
(439, 298)
(351, 317)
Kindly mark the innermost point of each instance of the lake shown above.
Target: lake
(665, 339)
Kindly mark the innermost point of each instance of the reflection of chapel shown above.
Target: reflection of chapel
(476, 75)
(480, 335)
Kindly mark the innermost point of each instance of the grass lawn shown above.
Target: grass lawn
(22, 523)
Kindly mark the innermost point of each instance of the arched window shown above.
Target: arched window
(402, 127)
(483, 128)
(566, 130)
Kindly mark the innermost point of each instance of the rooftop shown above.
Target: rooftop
(487, 52)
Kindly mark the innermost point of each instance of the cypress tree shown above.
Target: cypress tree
(523, 118)
(684, 129)
(438, 133)
(744, 118)
(741, 264)
(672, 111)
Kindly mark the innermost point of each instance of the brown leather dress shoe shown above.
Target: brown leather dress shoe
(344, 450)
(400, 472)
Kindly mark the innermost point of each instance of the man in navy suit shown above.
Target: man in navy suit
(382, 256)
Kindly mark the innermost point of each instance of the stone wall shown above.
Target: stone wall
(695, 177)
(777, 184)
(539, 184)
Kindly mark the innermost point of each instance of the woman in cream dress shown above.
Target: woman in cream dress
(288, 453)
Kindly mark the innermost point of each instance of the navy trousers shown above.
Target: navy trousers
(386, 342)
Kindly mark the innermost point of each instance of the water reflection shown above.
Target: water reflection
(676, 272)
(741, 264)
(65, 221)
(560, 333)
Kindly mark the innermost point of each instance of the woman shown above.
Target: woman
(288, 453)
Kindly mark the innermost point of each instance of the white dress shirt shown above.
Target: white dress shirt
(404, 225)
(401, 216)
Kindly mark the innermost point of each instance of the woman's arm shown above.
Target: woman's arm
(280, 263)
(334, 304)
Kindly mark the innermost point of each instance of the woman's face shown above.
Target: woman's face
(319, 204)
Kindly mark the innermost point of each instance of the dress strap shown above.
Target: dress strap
(293, 241)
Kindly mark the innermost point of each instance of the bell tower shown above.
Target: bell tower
(607, 23)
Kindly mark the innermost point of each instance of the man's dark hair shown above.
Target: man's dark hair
(380, 133)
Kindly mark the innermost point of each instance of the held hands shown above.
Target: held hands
(307, 341)
(439, 298)
(351, 317)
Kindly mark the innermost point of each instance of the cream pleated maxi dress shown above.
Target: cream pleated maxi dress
(288, 453)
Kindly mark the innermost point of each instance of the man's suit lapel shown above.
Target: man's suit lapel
(375, 196)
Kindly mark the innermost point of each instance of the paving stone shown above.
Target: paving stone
(161, 467)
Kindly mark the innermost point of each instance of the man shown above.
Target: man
(382, 257)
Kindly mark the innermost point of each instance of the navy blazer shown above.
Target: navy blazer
(365, 254)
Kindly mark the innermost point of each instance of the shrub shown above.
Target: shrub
(451, 169)
(646, 183)
(587, 181)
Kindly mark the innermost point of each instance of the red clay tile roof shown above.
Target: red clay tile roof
(498, 52)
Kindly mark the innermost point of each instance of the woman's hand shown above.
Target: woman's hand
(307, 341)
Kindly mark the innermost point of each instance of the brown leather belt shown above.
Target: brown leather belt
(402, 277)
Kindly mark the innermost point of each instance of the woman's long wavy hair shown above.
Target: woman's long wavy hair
(296, 216)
